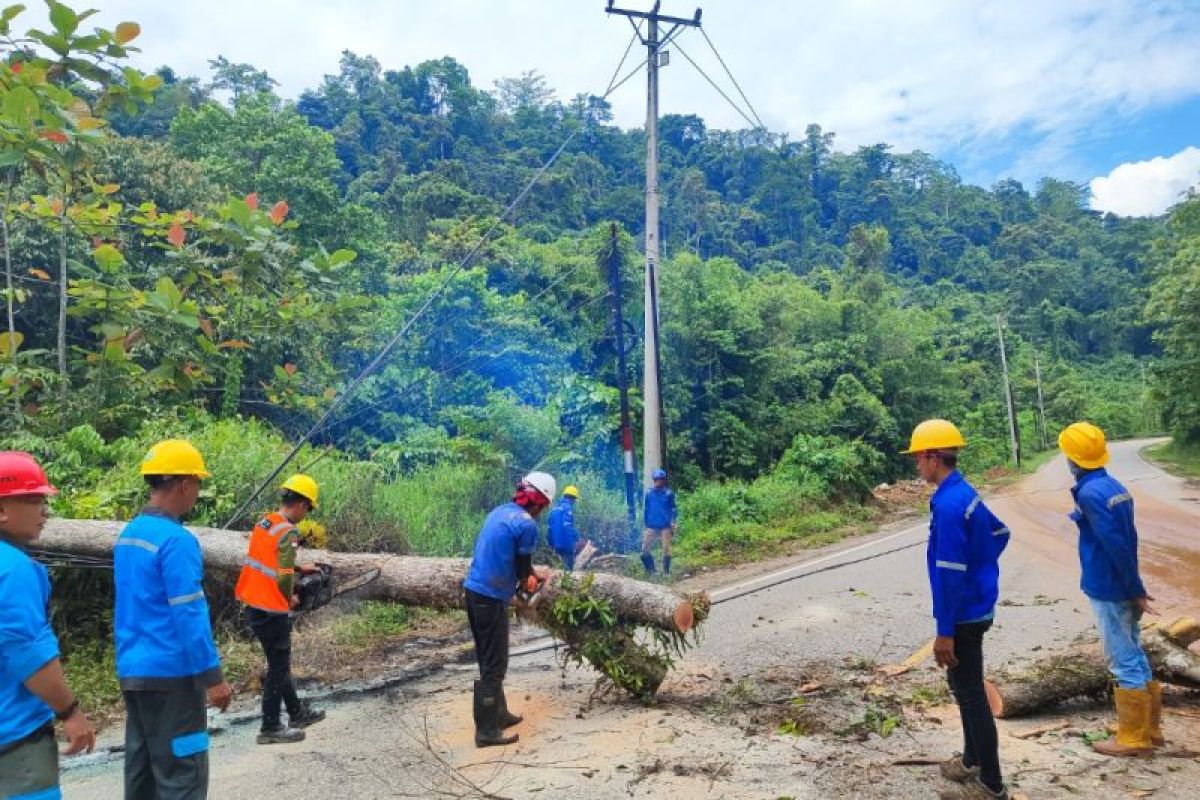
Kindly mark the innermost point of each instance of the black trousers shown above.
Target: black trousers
(488, 618)
(981, 747)
(166, 744)
(274, 633)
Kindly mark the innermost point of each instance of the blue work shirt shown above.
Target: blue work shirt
(658, 508)
(1108, 541)
(562, 534)
(162, 629)
(27, 643)
(509, 531)
(963, 556)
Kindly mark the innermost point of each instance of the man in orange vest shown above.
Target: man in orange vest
(266, 588)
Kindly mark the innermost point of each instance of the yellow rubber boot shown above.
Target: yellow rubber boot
(1133, 726)
(1156, 733)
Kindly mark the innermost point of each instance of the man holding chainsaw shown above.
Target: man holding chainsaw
(267, 588)
(503, 560)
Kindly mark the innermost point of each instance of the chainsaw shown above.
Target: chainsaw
(529, 588)
(317, 589)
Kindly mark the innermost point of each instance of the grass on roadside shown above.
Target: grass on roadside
(372, 623)
(1176, 458)
(91, 670)
(741, 542)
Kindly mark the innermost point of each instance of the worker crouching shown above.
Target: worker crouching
(266, 587)
(503, 559)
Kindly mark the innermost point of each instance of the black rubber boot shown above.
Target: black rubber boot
(666, 565)
(278, 734)
(307, 715)
(507, 718)
(487, 716)
(648, 563)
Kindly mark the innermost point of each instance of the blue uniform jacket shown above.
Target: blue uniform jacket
(562, 532)
(27, 642)
(658, 508)
(1107, 538)
(963, 557)
(162, 629)
(507, 532)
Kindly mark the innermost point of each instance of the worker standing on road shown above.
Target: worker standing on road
(965, 543)
(562, 533)
(167, 662)
(33, 689)
(659, 515)
(503, 559)
(266, 587)
(1108, 554)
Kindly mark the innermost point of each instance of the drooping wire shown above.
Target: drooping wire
(392, 343)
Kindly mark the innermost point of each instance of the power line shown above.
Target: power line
(734, 80)
(713, 84)
(391, 344)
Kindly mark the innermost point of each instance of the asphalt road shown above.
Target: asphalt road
(416, 742)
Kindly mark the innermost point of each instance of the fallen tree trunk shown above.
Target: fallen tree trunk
(410, 580)
(1082, 671)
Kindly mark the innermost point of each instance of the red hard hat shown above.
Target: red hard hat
(20, 474)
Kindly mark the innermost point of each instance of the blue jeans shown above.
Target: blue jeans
(1121, 635)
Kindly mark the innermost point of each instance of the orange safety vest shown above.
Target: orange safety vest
(258, 585)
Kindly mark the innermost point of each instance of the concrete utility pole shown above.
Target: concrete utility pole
(654, 440)
(1037, 370)
(614, 288)
(1008, 398)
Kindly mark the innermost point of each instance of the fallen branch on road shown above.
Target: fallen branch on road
(1082, 671)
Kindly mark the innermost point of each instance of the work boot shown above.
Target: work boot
(648, 563)
(666, 565)
(1156, 732)
(280, 734)
(953, 769)
(306, 716)
(487, 720)
(973, 789)
(1133, 726)
(507, 718)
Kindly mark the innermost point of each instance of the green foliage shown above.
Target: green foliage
(594, 633)
(1179, 458)
(243, 260)
(1175, 308)
(370, 622)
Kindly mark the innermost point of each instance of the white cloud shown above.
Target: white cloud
(1147, 188)
(940, 75)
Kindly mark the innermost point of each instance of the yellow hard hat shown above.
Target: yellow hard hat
(304, 486)
(1084, 444)
(935, 434)
(175, 457)
(571, 491)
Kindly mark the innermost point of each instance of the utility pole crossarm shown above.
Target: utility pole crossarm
(653, 14)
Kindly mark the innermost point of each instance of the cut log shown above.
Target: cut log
(410, 580)
(1183, 631)
(1081, 670)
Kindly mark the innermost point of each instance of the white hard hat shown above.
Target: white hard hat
(543, 482)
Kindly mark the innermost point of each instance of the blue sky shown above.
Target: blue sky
(1088, 90)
